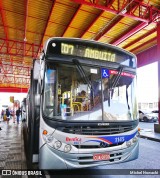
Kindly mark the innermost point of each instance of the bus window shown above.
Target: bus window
(77, 96)
(49, 95)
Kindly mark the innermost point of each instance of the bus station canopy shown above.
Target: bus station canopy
(27, 24)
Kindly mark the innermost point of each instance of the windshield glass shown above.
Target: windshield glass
(78, 92)
(119, 99)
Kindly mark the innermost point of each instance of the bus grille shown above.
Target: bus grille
(96, 146)
(97, 130)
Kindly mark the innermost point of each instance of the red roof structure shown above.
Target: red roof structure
(26, 24)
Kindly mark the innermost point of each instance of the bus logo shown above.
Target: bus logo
(75, 139)
(103, 145)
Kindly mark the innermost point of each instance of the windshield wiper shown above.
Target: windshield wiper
(117, 77)
(113, 84)
(84, 77)
(82, 72)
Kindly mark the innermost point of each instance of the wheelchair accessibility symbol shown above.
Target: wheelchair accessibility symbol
(105, 73)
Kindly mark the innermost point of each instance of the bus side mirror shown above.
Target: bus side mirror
(41, 82)
(39, 87)
(37, 99)
(36, 70)
(42, 70)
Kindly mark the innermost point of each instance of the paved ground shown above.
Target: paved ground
(147, 125)
(11, 147)
(147, 131)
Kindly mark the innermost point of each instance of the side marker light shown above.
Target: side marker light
(45, 132)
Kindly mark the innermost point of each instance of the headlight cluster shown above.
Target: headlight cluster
(58, 145)
(67, 148)
(133, 140)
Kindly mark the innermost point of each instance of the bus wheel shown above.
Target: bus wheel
(145, 119)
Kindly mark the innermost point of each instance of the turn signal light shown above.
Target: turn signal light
(45, 132)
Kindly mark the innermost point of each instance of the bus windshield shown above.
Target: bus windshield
(79, 92)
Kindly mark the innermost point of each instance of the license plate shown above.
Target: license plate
(103, 156)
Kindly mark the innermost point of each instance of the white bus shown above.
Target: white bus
(82, 107)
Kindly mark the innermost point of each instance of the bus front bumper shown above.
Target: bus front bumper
(50, 158)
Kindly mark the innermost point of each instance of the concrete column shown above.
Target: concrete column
(157, 126)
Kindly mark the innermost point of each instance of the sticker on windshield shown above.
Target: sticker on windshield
(51, 76)
(114, 72)
(105, 73)
(93, 71)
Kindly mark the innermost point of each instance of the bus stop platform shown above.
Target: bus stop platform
(12, 155)
(150, 134)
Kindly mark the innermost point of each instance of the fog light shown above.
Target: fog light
(128, 143)
(134, 139)
(67, 148)
(57, 144)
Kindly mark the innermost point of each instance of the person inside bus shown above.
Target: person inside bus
(83, 95)
(82, 98)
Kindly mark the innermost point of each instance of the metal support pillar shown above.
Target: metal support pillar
(159, 89)
(158, 55)
(157, 126)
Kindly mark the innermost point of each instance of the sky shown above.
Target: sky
(147, 83)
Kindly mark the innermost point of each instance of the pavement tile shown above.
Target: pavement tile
(2, 164)
(3, 157)
(12, 154)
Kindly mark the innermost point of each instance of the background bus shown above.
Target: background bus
(82, 107)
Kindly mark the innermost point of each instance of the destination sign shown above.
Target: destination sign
(88, 52)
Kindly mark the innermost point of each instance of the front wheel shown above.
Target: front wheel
(155, 119)
(145, 119)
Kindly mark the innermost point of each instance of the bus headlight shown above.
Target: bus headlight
(67, 148)
(57, 144)
(128, 143)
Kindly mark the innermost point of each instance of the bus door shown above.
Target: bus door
(34, 120)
